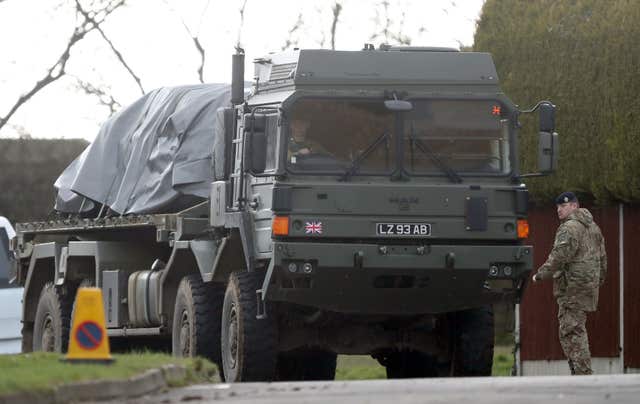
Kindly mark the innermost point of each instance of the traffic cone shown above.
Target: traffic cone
(88, 340)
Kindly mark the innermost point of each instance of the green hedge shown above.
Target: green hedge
(28, 169)
(584, 56)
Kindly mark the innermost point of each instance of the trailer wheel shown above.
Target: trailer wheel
(473, 336)
(53, 318)
(249, 345)
(307, 364)
(196, 319)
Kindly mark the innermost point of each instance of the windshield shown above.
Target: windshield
(357, 137)
(328, 135)
(468, 136)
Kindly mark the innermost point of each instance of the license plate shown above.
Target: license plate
(403, 229)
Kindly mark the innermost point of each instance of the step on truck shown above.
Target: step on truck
(357, 202)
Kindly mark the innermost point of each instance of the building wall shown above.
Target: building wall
(632, 287)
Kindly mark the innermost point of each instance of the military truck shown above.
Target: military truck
(386, 223)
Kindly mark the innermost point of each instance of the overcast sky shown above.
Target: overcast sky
(152, 37)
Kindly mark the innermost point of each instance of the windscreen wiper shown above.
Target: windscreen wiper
(355, 164)
(424, 148)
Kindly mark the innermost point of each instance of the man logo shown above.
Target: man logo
(404, 202)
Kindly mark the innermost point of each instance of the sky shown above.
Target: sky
(152, 37)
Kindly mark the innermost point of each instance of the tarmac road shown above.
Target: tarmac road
(618, 389)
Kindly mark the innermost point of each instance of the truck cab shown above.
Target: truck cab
(385, 195)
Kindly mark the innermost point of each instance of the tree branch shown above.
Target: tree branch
(90, 18)
(200, 49)
(57, 70)
(196, 40)
(337, 8)
(105, 99)
(240, 27)
(384, 29)
(296, 26)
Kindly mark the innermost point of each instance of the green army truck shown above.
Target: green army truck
(360, 202)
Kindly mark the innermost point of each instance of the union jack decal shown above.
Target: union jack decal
(313, 227)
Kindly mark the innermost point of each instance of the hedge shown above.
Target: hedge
(28, 169)
(584, 56)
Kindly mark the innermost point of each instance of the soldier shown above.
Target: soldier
(578, 266)
(300, 144)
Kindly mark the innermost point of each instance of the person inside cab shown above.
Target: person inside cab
(300, 144)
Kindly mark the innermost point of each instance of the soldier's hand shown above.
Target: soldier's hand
(536, 277)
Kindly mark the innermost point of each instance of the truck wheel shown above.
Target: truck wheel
(473, 335)
(408, 364)
(249, 345)
(308, 364)
(53, 319)
(196, 319)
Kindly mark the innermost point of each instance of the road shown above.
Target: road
(619, 389)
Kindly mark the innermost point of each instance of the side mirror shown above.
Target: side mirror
(255, 122)
(398, 105)
(257, 159)
(223, 134)
(548, 151)
(256, 143)
(547, 117)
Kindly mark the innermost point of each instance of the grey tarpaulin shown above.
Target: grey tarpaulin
(153, 156)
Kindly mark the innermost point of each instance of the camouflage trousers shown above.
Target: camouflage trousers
(574, 339)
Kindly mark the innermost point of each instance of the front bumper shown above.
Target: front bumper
(396, 279)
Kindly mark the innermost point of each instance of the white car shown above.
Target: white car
(10, 296)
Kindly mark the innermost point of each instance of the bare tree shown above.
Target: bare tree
(291, 40)
(90, 18)
(241, 25)
(336, 9)
(385, 26)
(87, 22)
(103, 94)
(195, 37)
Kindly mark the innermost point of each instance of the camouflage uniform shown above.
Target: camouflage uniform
(578, 266)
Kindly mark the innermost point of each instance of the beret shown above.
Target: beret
(566, 197)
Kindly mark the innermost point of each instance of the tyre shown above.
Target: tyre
(196, 319)
(473, 334)
(249, 345)
(307, 364)
(53, 318)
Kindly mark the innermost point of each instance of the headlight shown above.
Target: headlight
(307, 268)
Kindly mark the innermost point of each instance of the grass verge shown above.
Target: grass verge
(41, 372)
(502, 361)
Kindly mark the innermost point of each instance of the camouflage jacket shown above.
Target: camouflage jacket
(578, 262)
